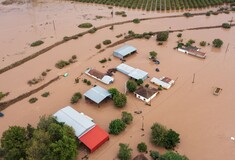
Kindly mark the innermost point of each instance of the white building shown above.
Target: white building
(165, 82)
(193, 51)
(99, 76)
(146, 94)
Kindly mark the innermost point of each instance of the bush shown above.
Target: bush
(153, 54)
(160, 43)
(208, 13)
(119, 35)
(131, 85)
(85, 81)
(191, 41)
(76, 97)
(139, 82)
(88, 83)
(217, 43)
(66, 38)
(169, 155)
(226, 25)
(76, 80)
(162, 36)
(113, 91)
(154, 154)
(36, 43)
(93, 30)
(85, 25)
(44, 74)
(171, 139)
(2, 95)
(116, 126)
(98, 46)
(136, 20)
(61, 64)
(33, 100)
(147, 85)
(127, 117)
(120, 100)
(187, 14)
(45, 94)
(203, 43)
(124, 152)
(179, 35)
(142, 147)
(103, 60)
(74, 57)
(106, 42)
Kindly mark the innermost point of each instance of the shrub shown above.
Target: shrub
(147, 85)
(153, 54)
(124, 152)
(85, 25)
(127, 117)
(85, 81)
(160, 43)
(154, 154)
(119, 35)
(88, 83)
(116, 126)
(158, 134)
(203, 43)
(103, 60)
(113, 91)
(179, 35)
(106, 42)
(136, 20)
(36, 43)
(187, 14)
(93, 30)
(215, 13)
(208, 13)
(226, 25)
(74, 57)
(131, 85)
(109, 59)
(61, 64)
(170, 155)
(76, 97)
(217, 43)
(120, 100)
(139, 82)
(76, 80)
(44, 74)
(162, 36)
(98, 46)
(45, 94)
(33, 100)
(142, 147)
(66, 38)
(191, 41)
(171, 139)
(2, 95)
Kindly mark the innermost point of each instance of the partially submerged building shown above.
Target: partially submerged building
(90, 134)
(134, 73)
(193, 51)
(146, 94)
(124, 51)
(97, 94)
(164, 82)
(99, 76)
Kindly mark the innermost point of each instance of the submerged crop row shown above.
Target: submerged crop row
(152, 5)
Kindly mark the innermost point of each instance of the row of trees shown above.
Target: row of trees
(159, 4)
(49, 140)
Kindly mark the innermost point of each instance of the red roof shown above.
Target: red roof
(94, 138)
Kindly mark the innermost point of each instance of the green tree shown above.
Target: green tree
(131, 86)
(158, 134)
(113, 92)
(77, 96)
(217, 43)
(116, 126)
(162, 36)
(172, 156)
(226, 25)
(171, 139)
(142, 147)
(124, 152)
(120, 100)
(203, 43)
(14, 142)
(153, 54)
(154, 154)
(139, 82)
(127, 117)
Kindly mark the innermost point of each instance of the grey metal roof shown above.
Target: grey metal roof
(125, 50)
(138, 74)
(97, 94)
(79, 122)
(124, 68)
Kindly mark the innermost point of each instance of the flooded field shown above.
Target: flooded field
(204, 121)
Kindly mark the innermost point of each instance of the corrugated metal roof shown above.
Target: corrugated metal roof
(107, 79)
(160, 83)
(125, 68)
(80, 123)
(97, 94)
(138, 74)
(125, 50)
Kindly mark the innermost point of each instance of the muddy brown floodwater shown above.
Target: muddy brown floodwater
(204, 121)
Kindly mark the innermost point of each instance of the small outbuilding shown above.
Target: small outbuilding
(146, 94)
(99, 76)
(165, 82)
(193, 51)
(124, 51)
(97, 94)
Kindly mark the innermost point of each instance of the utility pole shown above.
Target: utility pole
(193, 78)
(54, 25)
(142, 128)
(227, 48)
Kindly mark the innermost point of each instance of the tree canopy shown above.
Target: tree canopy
(172, 156)
(119, 99)
(162, 36)
(217, 43)
(131, 85)
(116, 126)
(124, 152)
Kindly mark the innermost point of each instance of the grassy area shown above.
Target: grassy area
(152, 5)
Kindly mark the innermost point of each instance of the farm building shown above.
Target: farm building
(99, 76)
(124, 51)
(97, 94)
(146, 94)
(134, 73)
(90, 134)
(193, 51)
(165, 82)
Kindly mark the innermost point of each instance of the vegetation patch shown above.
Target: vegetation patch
(45, 94)
(217, 43)
(106, 42)
(2, 95)
(119, 99)
(162, 36)
(61, 64)
(33, 100)
(36, 43)
(103, 60)
(98, 46)
(124, 152)
(75, 98)
(187, 14)
(85, 25)
(136, 20)
(127, 117)
(142, 147)
(203, 43)
(226, 25)
(116, 126)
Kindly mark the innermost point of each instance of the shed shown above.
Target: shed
(94, 138)
(124, 51)
(99, 76)
(146, 94)
(79, 122)
(97, 94)
(162, 82)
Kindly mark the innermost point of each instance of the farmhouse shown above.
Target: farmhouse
(90, 134)
(99, 76)
(165, 82)
(193, 51)
(146, 94)
(134, 73)
(124, 51)
(97, 94)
